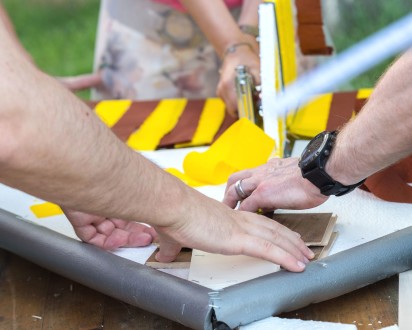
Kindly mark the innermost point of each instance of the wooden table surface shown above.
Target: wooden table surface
(31, 297)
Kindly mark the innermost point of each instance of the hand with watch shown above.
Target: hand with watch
(288, 183)
(313, 161)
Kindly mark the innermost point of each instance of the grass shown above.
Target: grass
(60, 34)
(359, 19)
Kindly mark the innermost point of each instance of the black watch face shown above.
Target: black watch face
(313, 148)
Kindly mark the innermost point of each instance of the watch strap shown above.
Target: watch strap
(327, 185)
(317, 175)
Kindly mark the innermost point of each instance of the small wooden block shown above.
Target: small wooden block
(323, 251)
(182, 260)
(315, 228)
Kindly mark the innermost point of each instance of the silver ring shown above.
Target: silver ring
(239, 190)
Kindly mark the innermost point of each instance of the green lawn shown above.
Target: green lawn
(361, 18)
(60, 34)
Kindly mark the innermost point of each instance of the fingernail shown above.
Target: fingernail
(301, 265)
(311, 254)
(297, 234)
(306, 260)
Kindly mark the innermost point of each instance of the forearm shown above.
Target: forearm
(249, 13)
(54, 147)
(382, 133)
(216, 22)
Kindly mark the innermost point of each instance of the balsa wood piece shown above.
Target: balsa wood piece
(315, 228)
(323, 251)
(182, 260)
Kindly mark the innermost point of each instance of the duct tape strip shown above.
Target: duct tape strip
(322, 280)
(135, 284)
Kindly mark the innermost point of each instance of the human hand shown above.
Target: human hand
(276, 184)
(109, 233)
(214, 227)
(226, 88)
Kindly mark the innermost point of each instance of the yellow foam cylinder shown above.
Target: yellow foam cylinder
(242, 146)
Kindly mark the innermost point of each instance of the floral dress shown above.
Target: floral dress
(153, 50)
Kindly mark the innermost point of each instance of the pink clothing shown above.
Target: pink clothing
(178, 6)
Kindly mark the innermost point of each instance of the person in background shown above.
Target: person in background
(155, 49)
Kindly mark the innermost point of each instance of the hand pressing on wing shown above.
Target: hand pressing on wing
(211, 226)
(109, 233)
(278, 184)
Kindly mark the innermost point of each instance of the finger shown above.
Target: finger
(231, 100)
(105, 227)
(97, 240)
(85, 233)
(257, 201)
(241, 175)
(132, 226)
(118, 238)
(281, 236)
(168, 251)
(231, 197)
(139, 239)
(259, 248)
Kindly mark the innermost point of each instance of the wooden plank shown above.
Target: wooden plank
(372, 307)
(405, 300)
(72, 306)
(376, 304)
(23, 293)
(27, 290)
(119, 315)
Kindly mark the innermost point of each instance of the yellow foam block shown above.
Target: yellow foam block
(241, 146)
(111, 111)
(45, 210)
(160, 122)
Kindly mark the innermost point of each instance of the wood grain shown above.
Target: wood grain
(315, 228)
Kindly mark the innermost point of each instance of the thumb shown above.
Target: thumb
(168, 251)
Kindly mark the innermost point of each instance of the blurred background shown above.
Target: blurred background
(60, 34)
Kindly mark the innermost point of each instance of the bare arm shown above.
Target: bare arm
(222, 31)
(382, 132)
(54, 147)
(378, 137)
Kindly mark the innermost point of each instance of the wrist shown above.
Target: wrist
(313, 164)
(235, 47)
(341, 166)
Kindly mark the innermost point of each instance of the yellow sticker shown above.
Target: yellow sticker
(45, 210)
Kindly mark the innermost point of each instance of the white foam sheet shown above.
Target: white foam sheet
(19, 203)
(361, 216)
(295, 324)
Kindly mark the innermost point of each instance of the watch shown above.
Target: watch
(313, 161)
